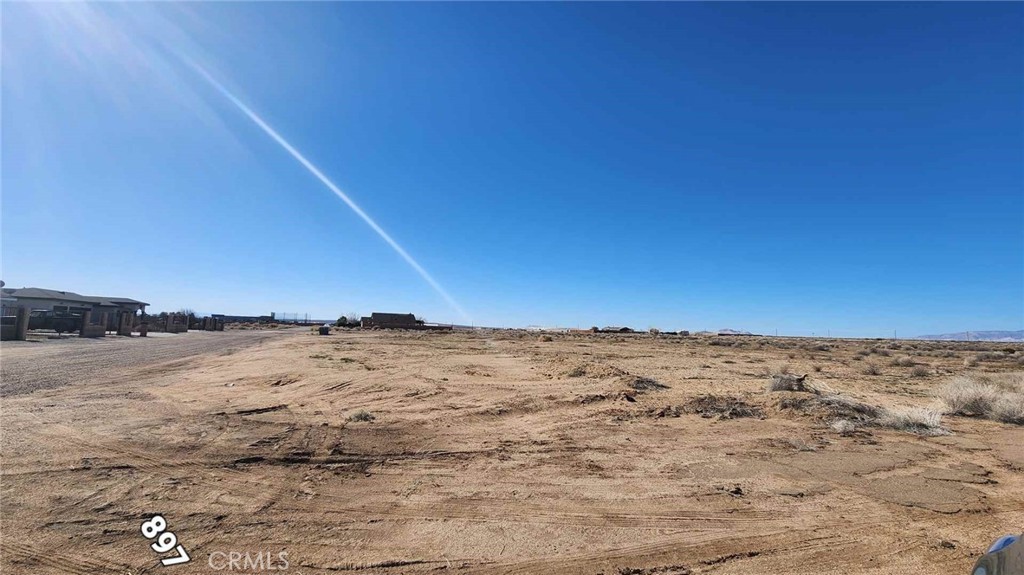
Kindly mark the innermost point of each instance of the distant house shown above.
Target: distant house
(390, 320)
(243, 318)
(71, 303)
(68, 301)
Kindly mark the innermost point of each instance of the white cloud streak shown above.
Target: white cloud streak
(331, 186)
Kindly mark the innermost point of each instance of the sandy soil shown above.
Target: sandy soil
(501, 453)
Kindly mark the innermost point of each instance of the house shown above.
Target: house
(391, 321)
(71, 303)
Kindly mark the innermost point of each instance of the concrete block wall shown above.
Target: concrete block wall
(90, 329)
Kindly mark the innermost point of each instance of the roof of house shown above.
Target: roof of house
(378, 316)
(40, 293)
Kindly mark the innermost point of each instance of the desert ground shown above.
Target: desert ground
(499, 452)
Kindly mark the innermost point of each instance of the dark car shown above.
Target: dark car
(58, 322)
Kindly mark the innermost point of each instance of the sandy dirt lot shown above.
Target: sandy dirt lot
(494, 452)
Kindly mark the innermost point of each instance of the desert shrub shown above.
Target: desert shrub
(642, 384)
(545, 338)
(843, 427)
(1009, 408)
(848, 408)
(788, 382)
(919, 371)
(871, 369)
(881, 351)
(724, 407)
(997, 397)
(903, 361)
(654, 331)
(919, 420)
(970, 362)
(361, 415)
(847, 414)
(578, 371)
(817, 368)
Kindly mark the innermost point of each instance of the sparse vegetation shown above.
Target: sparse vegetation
(919, 371)
(578, 371)
(999, 397)
(788, 382)
(871, 369)
(362, 415)
(920, 420)
(722, 407)
(844, 411)
(843, 427)
(904, 361)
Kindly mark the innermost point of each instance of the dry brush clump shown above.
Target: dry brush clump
(362, 415)
(785, 381)
(904, 361)
(920, 420)
(919, 371)
(722, 407)
(845, 414)
(871, 369)
(999, 397)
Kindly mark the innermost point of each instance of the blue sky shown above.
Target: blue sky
(806, 167)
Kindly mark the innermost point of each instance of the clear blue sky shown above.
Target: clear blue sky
(853, 167)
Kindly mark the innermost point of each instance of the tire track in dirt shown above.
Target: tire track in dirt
(712, 547)
(79, 565)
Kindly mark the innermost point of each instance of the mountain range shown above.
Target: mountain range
(991, 335)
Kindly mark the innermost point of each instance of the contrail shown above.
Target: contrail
(330, 185)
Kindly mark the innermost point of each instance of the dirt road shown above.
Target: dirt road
(389, 453)
(34, 365)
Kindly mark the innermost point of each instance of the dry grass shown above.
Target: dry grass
(361, 415)
(904, 361)
(848, 413)
(843, 427)
(999, 397)
(920, 420)
(871, 369)
(788, 382)
(919, 371)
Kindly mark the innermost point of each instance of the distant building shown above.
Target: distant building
(243, 318)
(69, 302)
(390, 321)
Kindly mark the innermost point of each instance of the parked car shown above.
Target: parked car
(58, 322)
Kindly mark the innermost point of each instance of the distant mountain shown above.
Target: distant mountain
(978, 336)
